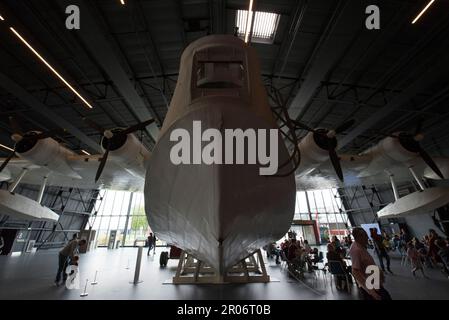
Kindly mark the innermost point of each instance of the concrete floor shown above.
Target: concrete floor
(31, 276)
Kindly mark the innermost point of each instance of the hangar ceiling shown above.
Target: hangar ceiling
(326, 65)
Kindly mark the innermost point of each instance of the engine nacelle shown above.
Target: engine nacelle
(391, 150)
(311, 154)
(47, 153)
(131, 154)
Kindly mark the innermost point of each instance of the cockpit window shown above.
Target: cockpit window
(219, 71)
(220, 74)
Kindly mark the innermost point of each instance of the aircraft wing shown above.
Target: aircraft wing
(363, 170)
(114, 176)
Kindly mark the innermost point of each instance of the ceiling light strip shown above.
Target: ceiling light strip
(5, 147)
(85, 152)
(50, 67)
(249, 20)
(1, 18)
(264, 25)
(423, 10)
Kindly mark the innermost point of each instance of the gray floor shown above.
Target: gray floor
(31, 276)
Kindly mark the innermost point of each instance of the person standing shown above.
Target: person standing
(380, 249)
(151, 243)
(154, 243)
(405, 238)
(415, 259)
(432, 253)
(65, 255)
(361, 260)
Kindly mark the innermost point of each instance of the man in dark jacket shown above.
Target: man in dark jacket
(65, 255)
(380, 249)
(151, 243)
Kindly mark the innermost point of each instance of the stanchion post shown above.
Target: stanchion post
(95, 279)
(127, 267)
(85, 294)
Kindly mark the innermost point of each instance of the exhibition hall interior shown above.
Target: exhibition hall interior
(224, 150)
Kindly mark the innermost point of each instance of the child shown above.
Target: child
(415, 259)
(72, 271)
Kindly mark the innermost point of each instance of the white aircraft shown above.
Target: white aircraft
(218, 213)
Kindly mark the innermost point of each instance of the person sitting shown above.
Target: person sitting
(396, 242)
(307, 247)
(299, 260)
(336, 242)
(422, 251)
(284, 247)
(315, 255)
(291, 255)
(333, 255)
(295, 257)
(307, 250)
(348, 241)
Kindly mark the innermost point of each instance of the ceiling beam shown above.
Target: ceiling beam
(96, 41)
(426, 79)
(346, 26)
(218, 15)
(25, 97)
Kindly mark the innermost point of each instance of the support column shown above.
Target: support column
(370, 203)
(393, 186)
(16, 183)
(308, 205)
(41, 190)
(127, 219)
(418, 181)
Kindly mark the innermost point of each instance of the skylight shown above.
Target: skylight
(264, 28)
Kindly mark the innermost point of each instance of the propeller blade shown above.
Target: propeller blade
(102, 163)
(137, 127)
(94, 125)
(15, 126)
(429, 161)
(5, 163)
(303, 126)
(336, 163)
(345, 126)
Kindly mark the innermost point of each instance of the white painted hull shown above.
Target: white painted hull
(23, 208)
(218, 213)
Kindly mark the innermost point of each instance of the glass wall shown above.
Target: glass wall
(325, 207)
(120, 216)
